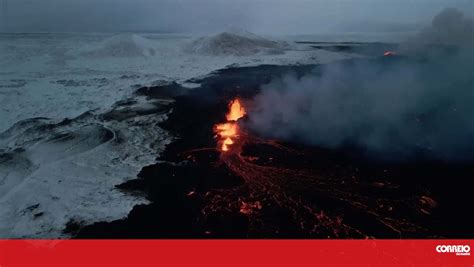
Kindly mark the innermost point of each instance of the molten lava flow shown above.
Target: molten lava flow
(228, 132)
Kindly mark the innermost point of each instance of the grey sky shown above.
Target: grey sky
(262, 16)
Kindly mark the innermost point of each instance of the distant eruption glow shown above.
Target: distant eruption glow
(389, 53)
(228, 132)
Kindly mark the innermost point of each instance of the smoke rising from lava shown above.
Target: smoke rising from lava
(399, 107)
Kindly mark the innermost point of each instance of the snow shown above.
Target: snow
(51, 75)
(122, 45)
(236, 44)
(54, 171)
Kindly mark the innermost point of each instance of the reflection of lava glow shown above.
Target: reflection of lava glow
(228, 132)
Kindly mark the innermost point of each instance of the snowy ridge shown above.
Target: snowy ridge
(122, 45)
(235, 44)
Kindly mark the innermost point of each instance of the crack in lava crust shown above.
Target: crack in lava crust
(273, 187)
(264, 186)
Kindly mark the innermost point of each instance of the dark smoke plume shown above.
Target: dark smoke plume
(419, 103)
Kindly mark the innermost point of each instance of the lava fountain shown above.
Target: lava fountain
(228, 132)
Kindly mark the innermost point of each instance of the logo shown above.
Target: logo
(459, 250)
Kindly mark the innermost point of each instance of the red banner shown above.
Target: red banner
(235, 253)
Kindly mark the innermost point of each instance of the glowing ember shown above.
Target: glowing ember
(249, 208)
(389, 53)
(228, 132)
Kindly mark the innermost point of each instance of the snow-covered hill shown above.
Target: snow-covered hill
(235, 44)
(122, 45)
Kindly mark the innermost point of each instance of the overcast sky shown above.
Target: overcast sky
(261, 16)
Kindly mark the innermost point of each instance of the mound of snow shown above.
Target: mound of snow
(235, 44)
(122, 45)
(55, 172)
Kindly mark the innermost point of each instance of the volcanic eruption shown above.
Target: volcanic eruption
(227, 132)
(358, 148)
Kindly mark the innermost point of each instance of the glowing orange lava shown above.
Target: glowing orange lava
(227, 142)
(236, 111)
(228, 132)
(225, 130)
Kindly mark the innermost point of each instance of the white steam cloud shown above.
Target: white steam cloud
(398, 107)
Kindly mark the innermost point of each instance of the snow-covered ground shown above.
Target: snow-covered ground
(54, 171)
(63, 75)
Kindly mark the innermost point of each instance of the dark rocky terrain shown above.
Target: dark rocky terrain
(275, 189)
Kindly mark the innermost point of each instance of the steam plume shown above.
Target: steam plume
(397, 107)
